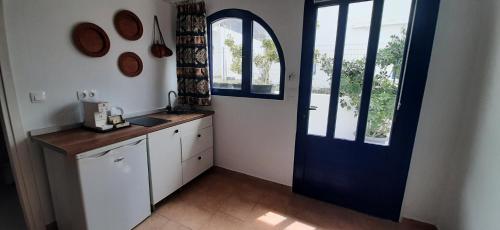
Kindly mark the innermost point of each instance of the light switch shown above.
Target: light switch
(37, 96)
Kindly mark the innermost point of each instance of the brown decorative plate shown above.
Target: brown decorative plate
(128, 25)
(90, 39)
(130, 64)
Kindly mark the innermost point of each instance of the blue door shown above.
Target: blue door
(363, 72)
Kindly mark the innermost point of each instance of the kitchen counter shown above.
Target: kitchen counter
(79, 140)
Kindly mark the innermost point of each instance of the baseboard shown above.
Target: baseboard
(229, 171)
(415, 224)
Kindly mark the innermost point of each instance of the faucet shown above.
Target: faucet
(169, 107)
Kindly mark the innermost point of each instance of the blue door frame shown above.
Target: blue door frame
(365, 177)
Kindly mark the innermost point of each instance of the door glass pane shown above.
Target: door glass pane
(266, 69)
(353, 69)
(324, 50)
(227, 53)
(387, 71)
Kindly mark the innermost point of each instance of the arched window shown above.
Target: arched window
(245, 56)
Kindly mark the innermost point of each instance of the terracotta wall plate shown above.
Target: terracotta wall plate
(128, 25)
(91, 39)
(130, 64)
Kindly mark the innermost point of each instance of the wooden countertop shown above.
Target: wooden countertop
(79, 140)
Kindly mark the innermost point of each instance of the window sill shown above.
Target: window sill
(238, 93)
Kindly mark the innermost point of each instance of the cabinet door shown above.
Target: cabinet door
(165, 162)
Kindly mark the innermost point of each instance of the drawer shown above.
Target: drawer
(196, 141)
(197, 165)
(196, 124)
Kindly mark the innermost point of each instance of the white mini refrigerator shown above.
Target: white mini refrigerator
(106, 188)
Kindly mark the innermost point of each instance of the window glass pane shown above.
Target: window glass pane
(387, 71)
(265, 62)
(353, 69)
(227, 53)
(324, 51)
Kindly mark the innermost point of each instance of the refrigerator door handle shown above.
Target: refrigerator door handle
(111, 151)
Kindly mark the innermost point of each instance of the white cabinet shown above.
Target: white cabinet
(178, 154)
(164, 162)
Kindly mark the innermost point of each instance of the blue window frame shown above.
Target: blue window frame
(252, 57)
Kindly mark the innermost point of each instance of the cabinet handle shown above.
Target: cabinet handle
(199, 135)
(176, 131)
(199, 158)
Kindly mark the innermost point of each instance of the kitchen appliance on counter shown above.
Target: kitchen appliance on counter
(100, 116)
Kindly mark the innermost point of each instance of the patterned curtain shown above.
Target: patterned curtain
(192, 73)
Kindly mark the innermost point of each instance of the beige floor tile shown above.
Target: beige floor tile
(158, 222)
(295, 224)
(263, 217)
(186, 214)
(238, 206)
(203, 198)
(222, 221)
(276, 200)
(221, 199)
(250, 190)
(172, 225)
(208, 193)
(154, 222)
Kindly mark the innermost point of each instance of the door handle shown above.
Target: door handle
(119, 159)
(313, 107)
(115, 149)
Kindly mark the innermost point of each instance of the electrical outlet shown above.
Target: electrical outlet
(93, 94)
(82, 95)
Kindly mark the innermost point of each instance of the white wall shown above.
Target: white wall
(256, 136)
(472, 197)
(453, 51)
(43, 57)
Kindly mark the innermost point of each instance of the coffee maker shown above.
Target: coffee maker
(99, 116)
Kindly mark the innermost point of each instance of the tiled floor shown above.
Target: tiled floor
(221, 200)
